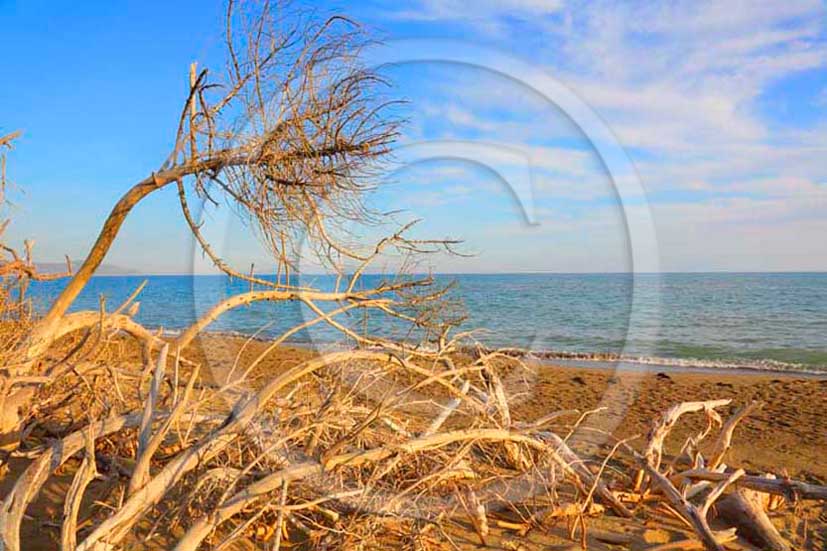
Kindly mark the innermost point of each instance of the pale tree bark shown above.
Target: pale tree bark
(302, 165)
(744, 509)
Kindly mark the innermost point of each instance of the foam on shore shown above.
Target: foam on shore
(594, 360)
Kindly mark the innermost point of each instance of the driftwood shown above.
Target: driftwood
(29, 484)
(84, 475)
(744, 509)
(663, 426)
(247, 488)
(570, 458)
(721, 537)
(696, 516)
(724, 440)
(140, 473)
(266, 485)
(244, 411)
(144, 454)
(790, 489)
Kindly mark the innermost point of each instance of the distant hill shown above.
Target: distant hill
(104, 269)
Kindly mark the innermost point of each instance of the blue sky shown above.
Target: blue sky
(719, 110)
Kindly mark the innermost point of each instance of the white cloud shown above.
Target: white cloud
(681, 85)
(459, 116)
(690, 16)
(686, 76)
(485, 14)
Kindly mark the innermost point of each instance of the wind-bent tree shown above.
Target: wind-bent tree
(291, 138)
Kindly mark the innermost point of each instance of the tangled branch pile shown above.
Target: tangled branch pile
(367, 448)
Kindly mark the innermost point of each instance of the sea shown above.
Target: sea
(761, 321)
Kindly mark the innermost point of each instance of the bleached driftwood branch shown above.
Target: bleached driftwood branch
(790, 489)
(663, 426)
(84, 475)
(744, 509)
(724, 440)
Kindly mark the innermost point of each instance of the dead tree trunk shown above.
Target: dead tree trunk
(744, 509)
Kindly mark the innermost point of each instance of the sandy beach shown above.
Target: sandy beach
(782, 439)
(788, 431)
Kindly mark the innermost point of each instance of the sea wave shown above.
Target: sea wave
(684, 363)
(597, 359)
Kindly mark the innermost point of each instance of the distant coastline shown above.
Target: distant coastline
(103, 269)
(113, 269)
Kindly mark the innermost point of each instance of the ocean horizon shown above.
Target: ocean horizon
(105, 270)
(718, 320)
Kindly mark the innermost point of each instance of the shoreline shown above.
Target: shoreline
(594, 361)
(654, 368)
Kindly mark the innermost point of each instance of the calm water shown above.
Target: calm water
(724, 320)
